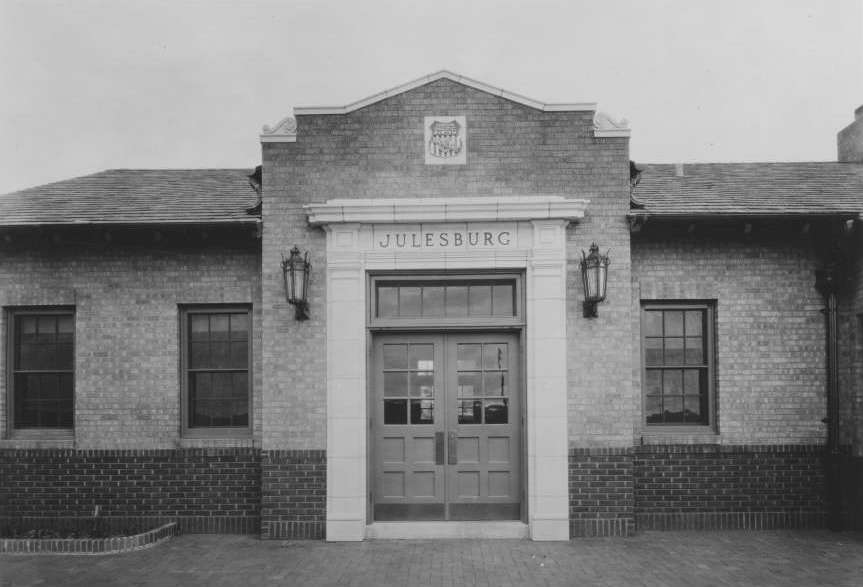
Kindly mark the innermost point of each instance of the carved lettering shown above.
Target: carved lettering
(444, 240)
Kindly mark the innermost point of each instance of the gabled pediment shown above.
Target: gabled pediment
(459, 79)
(604, 126)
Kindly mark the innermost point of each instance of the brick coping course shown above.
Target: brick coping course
(113, 545)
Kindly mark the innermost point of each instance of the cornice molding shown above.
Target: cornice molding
(429, 210)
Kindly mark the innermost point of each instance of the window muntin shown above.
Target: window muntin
(42, 375)
(678, 366)
(216, 374)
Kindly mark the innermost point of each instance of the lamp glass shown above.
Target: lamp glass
(594, 273)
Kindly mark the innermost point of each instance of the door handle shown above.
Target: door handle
(438, 448)
(453, 451)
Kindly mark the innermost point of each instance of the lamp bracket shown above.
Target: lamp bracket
(301, 311)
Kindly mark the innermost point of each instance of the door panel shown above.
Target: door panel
(446, 427)
(408, 425)
(484, 481)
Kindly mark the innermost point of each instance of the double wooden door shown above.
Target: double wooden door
(446, 427)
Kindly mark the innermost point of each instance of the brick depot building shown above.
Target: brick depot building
(450, 380)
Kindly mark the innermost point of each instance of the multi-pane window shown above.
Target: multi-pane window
(483, 383)
(42, 374)
(678, 364)
(216, 368)
(478, 298)
(409, 386)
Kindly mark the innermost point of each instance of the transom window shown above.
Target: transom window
(480, 298)
(42, 374)
(678, 364)
(216, 373)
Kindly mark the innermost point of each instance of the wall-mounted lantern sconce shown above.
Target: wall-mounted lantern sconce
(594, 275)
(296, 270)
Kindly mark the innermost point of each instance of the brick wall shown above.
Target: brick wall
(126, 297)
(294, 494)
(850, 322)
(613, 492)
(126, 454)
(761, 467)
(377, 152)
(204, 490)
(601, 492)
(770, 345)
(726, 487)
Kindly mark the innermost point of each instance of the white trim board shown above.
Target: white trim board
(472, 209)
(447, 530)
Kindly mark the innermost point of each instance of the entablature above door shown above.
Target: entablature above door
(439, 210)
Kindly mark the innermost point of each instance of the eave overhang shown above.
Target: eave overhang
(251, 221)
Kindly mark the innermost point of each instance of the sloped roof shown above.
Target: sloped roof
(204, 196)
(751, 189)
(135, 196)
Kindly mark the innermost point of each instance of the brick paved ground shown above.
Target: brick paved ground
(651, 558)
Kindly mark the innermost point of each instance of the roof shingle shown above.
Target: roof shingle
(199, 196)
(751, 189)
(135, 196)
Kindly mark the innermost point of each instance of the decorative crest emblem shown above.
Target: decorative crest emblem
(445, 138)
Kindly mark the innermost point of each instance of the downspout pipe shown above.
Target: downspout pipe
(826, 281)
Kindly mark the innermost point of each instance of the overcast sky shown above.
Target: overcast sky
(93, 85)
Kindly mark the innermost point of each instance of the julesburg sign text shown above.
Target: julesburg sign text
(455, 238)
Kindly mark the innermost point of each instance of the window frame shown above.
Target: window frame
(709, 338)
(187, 431)
(12, 315)
(408, 278)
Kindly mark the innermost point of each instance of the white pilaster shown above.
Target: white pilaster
(346, 372)
(548, 489)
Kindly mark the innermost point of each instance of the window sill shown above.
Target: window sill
(209, 439)
(219, 442)
(40, 438)
(217, 433)
(679, 435)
